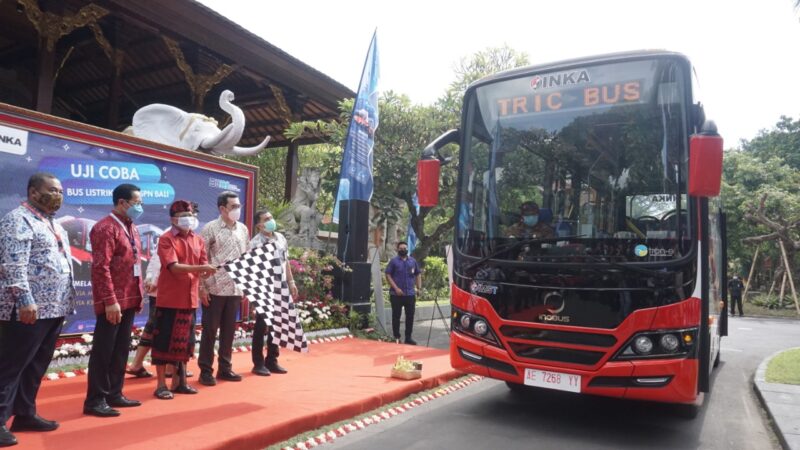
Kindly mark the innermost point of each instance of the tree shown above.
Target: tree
(767, 166)
(447, 112)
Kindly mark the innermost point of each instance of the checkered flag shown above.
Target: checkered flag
(259, 274)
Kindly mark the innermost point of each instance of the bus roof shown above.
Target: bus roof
(568, 63)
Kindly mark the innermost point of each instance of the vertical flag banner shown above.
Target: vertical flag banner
(355, 182)
(411, 236)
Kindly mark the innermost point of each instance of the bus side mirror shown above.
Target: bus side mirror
(428, 182)
(705, 162)
(429, 167)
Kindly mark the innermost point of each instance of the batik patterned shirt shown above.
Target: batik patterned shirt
(223, 244)
(115, 252)
(33, 269)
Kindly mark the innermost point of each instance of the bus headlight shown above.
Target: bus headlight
(643, 345)
(669, 342)
(480, 327)
(659, 344)
(473, 325)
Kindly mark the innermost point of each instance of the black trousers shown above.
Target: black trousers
(399, 302)
(736, 300)
(25, 353)
(273, 351)
(110, 347)
(220, 315)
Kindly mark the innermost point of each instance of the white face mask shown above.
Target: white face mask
(187, 223)
(235, 214)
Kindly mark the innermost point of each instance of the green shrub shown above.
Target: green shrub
(434, 278)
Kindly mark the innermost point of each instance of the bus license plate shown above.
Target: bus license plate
(553, 380)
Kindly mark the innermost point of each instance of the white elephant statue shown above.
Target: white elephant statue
(173, 126)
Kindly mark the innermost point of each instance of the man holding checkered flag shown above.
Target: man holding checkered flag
(265, 276)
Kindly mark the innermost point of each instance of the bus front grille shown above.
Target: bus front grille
(565, 337)
(564, 355)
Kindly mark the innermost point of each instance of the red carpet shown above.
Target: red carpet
(334, 381)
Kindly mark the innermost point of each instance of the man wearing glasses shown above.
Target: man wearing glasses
(117, 292)
(226, 239)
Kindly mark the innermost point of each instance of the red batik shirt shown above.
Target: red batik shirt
(179, 290)
(113, 259)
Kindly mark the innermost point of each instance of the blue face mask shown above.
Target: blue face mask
(530, 220)
(270, 225)
(134, 212)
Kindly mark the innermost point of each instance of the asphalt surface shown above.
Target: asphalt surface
(487, 415)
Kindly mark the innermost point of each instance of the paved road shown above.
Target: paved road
(486, 415)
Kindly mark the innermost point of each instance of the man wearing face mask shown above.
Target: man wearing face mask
(403, 275)
(184, 262)
(265, 234)
(226, 239)
(136, 368)
(529, 225)
(36, 292)
(117, 292)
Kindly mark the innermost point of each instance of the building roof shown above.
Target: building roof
(152, 51)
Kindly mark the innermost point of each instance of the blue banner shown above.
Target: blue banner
(355, 182)
(411, 236)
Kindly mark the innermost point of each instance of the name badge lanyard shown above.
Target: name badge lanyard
(50, 227)
(136, 266)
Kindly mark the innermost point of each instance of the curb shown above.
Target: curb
(780, 423)
(380, 416)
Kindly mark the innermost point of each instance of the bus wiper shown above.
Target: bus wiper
(514, 245)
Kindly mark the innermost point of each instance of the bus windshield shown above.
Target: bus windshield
(584, 165)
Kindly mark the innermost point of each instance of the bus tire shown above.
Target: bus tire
(687, 411)
(517, 388)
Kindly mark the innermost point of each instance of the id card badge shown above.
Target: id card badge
(137, 270)
(65, 265)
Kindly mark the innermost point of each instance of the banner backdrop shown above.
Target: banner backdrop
(88, 174)
(355, 182)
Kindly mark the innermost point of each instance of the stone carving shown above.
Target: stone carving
(301, 219)
(172, 126)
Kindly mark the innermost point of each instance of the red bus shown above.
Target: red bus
(589, 251)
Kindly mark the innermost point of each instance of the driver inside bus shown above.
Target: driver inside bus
(529, 225)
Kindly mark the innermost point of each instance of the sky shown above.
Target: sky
(746, 53)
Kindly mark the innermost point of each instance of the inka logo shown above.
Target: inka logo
(13, 141)
(559, 79)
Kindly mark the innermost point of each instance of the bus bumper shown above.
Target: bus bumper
(661, 380)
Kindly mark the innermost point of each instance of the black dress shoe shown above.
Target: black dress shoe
(229, 375)
(123, 402)
(33, 423)
(206, 379)
(6, 438)
(411, 342)
(262, 371)
(274, 367)
(101, 410)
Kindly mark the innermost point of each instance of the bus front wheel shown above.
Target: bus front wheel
(518, 388)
